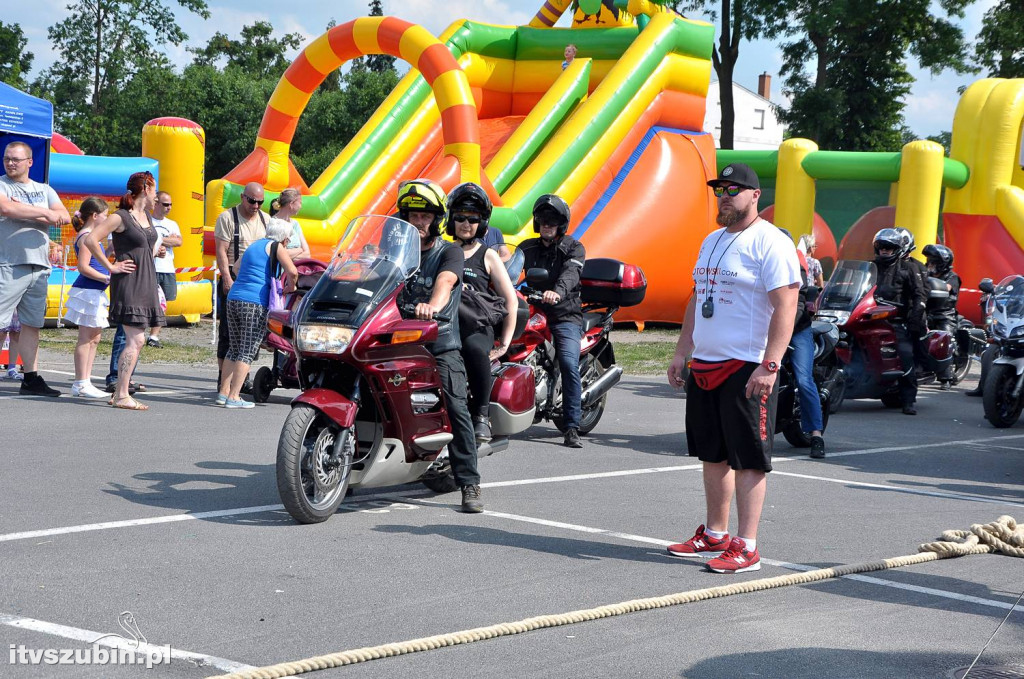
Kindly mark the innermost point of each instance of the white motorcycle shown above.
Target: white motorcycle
(1002, 397)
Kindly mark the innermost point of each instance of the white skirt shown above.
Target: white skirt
(87, 308)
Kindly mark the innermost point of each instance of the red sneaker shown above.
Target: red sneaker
(736, 559)
(701, 542)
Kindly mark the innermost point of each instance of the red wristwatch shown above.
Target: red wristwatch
(770, 366)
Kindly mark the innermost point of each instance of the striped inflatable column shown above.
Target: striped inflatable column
(371, 35)
(549, 13)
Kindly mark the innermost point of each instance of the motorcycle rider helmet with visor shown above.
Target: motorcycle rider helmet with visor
(469, 197)
(422, 195)
(939, 258)
(887, 239)
(550, 209)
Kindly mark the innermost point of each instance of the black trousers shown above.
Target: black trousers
(462, 449)
(905, 344)
(223, 341)
(476, 349)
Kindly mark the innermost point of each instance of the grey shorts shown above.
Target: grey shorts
(169, 285)
(23, 289)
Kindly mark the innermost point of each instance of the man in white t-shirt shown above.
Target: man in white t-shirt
(26, 211)
(170, 238)
(737, 326)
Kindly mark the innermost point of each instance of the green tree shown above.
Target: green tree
(101, 45)
(1000, 48)
(379, 63)
(853, 98)
(15, 62)
(256, 53)
(738, 20)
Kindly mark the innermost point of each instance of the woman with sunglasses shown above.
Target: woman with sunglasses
(469, 210)
(134, 300)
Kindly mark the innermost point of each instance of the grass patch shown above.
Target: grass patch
(645, 358)
(63, 341)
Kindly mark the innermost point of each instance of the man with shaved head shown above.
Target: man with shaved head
(235, 231)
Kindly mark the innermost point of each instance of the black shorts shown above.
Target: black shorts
(723, 425)
(169, 285)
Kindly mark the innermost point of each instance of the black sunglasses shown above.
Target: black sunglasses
(465, 218)
(165, 204)
(253, 201)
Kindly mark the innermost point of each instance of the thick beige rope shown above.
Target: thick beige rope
(1003, 535)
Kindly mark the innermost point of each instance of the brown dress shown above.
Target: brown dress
(134, 299)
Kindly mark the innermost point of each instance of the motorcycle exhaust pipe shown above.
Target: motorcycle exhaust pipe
(601, 387)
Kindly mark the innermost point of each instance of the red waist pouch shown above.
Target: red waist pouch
(710, 374)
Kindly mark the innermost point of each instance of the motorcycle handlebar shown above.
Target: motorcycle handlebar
(410, 309)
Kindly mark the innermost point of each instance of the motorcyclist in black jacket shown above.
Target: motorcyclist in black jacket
(900, 285)
(562, 256)
(942, 312)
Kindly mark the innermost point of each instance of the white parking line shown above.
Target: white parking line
(903, 489)
(946, 594)
(108, 525)
(113, 641)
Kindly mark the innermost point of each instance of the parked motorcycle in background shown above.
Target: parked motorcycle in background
(606, 286)
(1002, 397)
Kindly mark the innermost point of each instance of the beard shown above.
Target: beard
(729, 216)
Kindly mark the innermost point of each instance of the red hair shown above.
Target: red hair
(137, 184)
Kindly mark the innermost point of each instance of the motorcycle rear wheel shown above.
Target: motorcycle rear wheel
(794, 433)
(961, 364)
(310, 491)
(1001, 409)
(891, 399)
(590, 370)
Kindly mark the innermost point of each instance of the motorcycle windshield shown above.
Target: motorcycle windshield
(848, 284)
(1007, 301)
(380, 254)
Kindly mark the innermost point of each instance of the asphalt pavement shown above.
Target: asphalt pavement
(172, 516)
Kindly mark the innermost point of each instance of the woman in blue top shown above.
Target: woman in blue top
(87, 301)
(247, 307)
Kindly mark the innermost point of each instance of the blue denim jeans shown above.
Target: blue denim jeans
(116, 349)
(567, 336)
(802, 361)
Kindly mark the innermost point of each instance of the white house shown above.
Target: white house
(756, 126)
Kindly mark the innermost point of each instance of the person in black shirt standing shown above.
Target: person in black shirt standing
(562, 256)
(436, 288)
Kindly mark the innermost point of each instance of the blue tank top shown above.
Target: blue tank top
(101, 266)
(252, 283)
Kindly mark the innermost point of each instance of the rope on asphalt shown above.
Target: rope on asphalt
(1003, 535)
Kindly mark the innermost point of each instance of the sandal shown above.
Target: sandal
(136, 387)
(130, 404)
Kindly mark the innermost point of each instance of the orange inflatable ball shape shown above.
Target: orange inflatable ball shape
(858, 243)
(827, 252)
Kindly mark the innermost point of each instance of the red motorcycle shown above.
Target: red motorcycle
(606, 285)
(867, 341)
(372, 412)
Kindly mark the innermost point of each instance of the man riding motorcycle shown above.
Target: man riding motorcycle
(942, 312)
(436, 289)
(562, 256)
(900, 285)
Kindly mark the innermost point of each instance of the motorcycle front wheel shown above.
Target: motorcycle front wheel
(1001, 408)
(590, 370)
(310, 485)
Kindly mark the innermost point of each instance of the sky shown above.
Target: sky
(929, 107)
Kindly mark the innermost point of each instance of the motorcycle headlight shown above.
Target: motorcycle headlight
(998, 329)
(1018, 331)
(324, 339)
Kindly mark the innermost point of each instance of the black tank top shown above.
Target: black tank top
(475, 272)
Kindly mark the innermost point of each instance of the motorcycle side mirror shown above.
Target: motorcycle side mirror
(986, 286)
(536, 276)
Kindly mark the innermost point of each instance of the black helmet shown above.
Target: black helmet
(939, 256)
(550, 208)
(469, 197)
(891, 239)
(422, 195)
(907, 238)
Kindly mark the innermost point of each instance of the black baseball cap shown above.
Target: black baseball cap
(737, 174)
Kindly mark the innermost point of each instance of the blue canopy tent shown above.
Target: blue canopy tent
(28, 119)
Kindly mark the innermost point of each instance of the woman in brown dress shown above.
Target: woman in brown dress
(134, 300)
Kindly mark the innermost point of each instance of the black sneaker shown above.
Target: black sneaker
(817, 447)
(471, 502)
(572, 439)
(909, 410)
(482, 429)
(154, 342)
(37, 387)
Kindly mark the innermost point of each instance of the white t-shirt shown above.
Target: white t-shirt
(26, 241)
(739, 270)
(165, 227)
